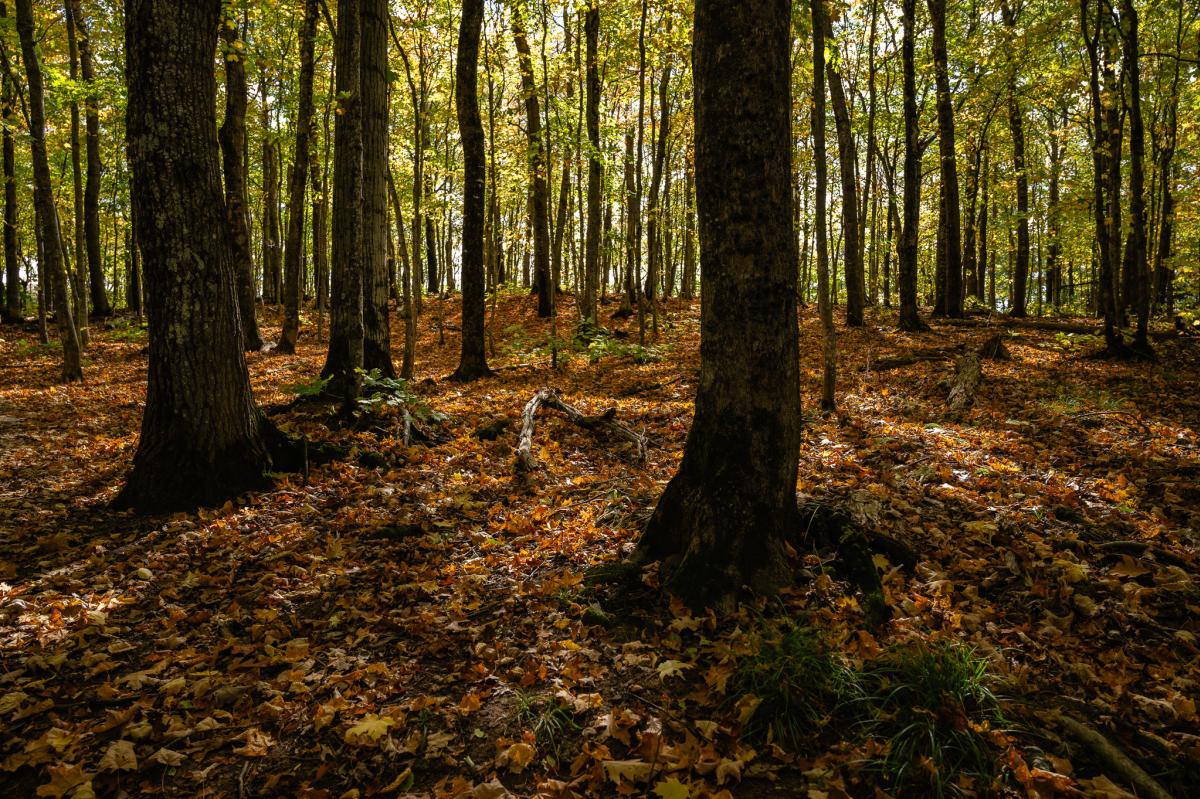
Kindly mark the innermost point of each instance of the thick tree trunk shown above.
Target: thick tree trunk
(540, 205)
(232, 136)
(910, 318)
(43, 191)
(344, 361)
(202, 438)
(856, 290)
(472, 362)
(377, 343)
(294, 246)
(595, 187)
(952, 289)
(723, 518)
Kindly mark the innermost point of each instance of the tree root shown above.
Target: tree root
(1111, 757)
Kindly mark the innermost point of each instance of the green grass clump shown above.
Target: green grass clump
(550, 720)
(799, 683)
(934, 705)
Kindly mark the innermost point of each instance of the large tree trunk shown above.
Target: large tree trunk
(595, 187)
(294, 246)
(820, 24)
(951, 289)
(344, 361)
(377, 345)
(91, 192)
(472, 363)
(202, 437)
(43, 191)
(856, 290)
(540, 205)
(910, 318)
(723, 518)
(232, 136)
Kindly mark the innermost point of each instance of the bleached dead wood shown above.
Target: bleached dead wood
(525, 461)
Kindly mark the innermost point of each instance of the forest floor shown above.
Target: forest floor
(412, 621)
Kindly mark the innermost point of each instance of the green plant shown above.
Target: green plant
(798, 682)
(549, 719)
(308, 388)
(934, 705)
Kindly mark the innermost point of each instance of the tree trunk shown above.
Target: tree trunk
(1016, 126)
(43, 191)
(689, 230)
(952, 289)
(202, 438)
(377, 343)
(13, 310)
(1137, 192)
(653, 210)
(856, 290)
(91, 193)
(344, 361)
(472, 363)
(909, 316)
(595, 187)
(849, 208)
(272, 262)
(723, 518)
(294, 247)
(232, 136)
(540, 205)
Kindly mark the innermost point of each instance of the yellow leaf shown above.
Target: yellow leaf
(256, 743)
(620, 771)
(119, 757)
(167, 757)
(671, 789)
(369, 730)
(672, 668)
(517, 757)
(63, 780)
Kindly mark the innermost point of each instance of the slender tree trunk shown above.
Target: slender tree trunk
(91, 193)
(13, 309)
(849, 209)
(689, 230)
(952, 289)
(294, 246)
(1137, 192)
(203, 440)
(632, 205)
(722, 520)
(540, 205)
(272, 262)
(856, 290)
(472, 363)
(595, 185)
(377, 345)
(43, 191)
(1016, 126)
(79, 275)
(909, 316)
(653, 210)
(344, 361)
(232, 137)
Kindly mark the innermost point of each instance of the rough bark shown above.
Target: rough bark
(272, 260)
(377, 345)
(856, 289)
(1137, 191)
(91, 193)
(232, 137)
(723, 518)
(43, 192)
(967, 376)
(202, 438)
(1016, 127)
(824, 300)
(344, 360)
(472, 362)
(294, 245)
(13, 310)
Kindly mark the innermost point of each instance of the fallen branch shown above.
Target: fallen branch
(525, 462)
(1111, 757)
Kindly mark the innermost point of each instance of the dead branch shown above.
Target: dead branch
(525, 461)
(967, 376)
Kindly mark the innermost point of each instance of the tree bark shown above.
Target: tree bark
(1016, 126)
(13, 310)
(344, 361)
(1137, 191)
(202, 438)
(824, 300)
(232, 136)
(377, 343)
(472, 362)
(856, 290)
(294, 246)
(91, 193)
(723, 518)
(595, 187)
(43, 190)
